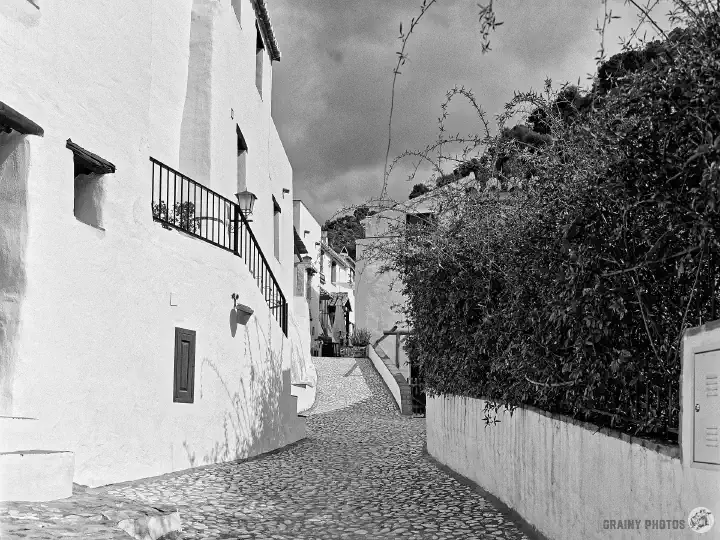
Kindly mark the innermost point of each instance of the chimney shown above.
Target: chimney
(324, 237)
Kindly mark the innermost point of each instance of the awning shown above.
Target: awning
(11, 119)
(340, 299)
(324, 295)
(87, 162)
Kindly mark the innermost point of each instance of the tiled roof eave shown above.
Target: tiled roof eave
(333, 254)
(263, 18)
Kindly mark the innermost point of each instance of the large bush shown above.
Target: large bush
(573, 294)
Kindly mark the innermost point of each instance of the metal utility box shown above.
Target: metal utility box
(706, 447)
(700, 390)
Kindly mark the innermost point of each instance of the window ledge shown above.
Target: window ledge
(88, 161)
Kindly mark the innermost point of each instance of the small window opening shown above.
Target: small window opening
(242, 150)
(259, 59)
(333, 272)
(89, 171)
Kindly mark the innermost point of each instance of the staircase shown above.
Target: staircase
(29, 471)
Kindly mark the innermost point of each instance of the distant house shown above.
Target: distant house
(306, 277)
(337, 296)
(146, 241)
(328, 279)
(377, 294)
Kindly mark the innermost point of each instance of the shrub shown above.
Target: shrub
(573, 294)
(360, 337)
(182, 215)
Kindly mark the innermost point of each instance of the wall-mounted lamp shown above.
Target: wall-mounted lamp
(242, 312)
(286, 190)
(246, 202)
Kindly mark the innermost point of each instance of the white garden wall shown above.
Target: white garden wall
(565, 478)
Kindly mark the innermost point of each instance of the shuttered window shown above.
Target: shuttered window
(184, 384)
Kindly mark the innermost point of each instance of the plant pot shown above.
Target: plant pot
(243, 313)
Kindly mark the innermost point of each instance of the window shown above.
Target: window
(242, 150)
(89, 187)
(420, 219)
(259, 58)
(184, 383)
(276, 228)
(333, 272)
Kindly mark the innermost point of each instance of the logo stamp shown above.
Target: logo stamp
(701, 520)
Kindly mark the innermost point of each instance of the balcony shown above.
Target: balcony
(178, 202)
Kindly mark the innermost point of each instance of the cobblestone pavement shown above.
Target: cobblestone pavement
(84, 515)
(360, 473)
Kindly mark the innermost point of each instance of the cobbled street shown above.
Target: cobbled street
(360, 473)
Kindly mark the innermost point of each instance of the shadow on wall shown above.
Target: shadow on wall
(253, 417)
(14, 166)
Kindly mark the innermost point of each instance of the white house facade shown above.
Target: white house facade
(145, 320)
(337, 298)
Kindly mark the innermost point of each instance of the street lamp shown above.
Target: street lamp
(246, 202)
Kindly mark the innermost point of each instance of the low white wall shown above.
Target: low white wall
(302, 368)
(568, 480)
(384, 372)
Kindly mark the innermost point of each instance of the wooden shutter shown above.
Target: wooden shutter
(184, 383)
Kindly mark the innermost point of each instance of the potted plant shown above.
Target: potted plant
(242, 312)
(360, 340)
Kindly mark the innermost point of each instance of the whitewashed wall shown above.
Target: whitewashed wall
(93, 357)
(305, 221)
(564, 477)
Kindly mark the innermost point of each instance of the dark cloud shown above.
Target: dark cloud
(331, 95)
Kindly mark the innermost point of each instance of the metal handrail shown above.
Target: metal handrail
(238, 237)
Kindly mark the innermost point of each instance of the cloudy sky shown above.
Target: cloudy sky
(331, 95)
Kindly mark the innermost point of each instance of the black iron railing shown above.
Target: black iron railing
(182, 203)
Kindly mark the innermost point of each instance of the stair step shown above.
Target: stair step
(36, 475)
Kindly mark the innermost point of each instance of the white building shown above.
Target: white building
(309, 233)
(328, 281)
(378, 295)
(121, 243)
(337, 298)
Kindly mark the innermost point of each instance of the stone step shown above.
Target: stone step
(36, 475)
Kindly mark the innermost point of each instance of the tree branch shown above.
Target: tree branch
(549, 385)
(645, 263)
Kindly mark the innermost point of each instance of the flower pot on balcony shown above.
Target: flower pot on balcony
(243, 313)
